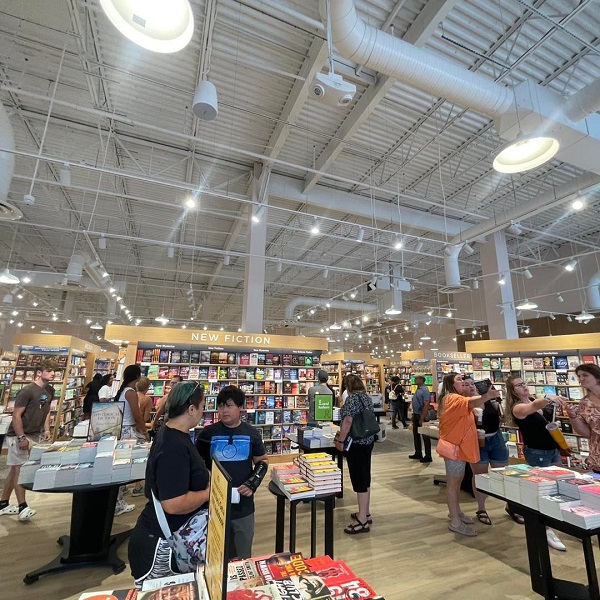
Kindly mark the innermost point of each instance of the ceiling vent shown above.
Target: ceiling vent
(8, 212)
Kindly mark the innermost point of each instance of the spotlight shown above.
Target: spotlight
(569, 318)
(190, 202)
(26, 279)
(226, 260)
(578, 204)
(315, 228)
(360, 235)
(560, 298)
(552, 317)
(527, 274)
(570, 266)
(468, 249)
(353, 294)
(502, 280)
(398, 243)
(102, 243)
(205, 105)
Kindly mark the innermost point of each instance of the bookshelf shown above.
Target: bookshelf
(275, 384)
(369, 370)
(8, 361)
(104, 365)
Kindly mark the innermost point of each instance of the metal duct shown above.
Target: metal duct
(592, 292)
(371, 47)
(7, 157)
(452, 271)
(75, 267)
(308, 301)
(585, 102)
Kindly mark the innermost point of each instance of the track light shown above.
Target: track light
(419, 247)
(475, 284)
(325, 273)
(360, 235)
(398, 243)
(315, 228)
(527, 274)
(551, 316)
(570, 266)
(569, 318)
(257, 214)
(353, 294)
(102, 243)
(502, 280)
(279, 266)
(226, 260)
(515, 229)
(170, 252)
(560, 298)
(469, 250)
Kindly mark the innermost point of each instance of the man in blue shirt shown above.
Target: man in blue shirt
(420, 405)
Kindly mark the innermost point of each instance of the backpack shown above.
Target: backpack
(393, 395)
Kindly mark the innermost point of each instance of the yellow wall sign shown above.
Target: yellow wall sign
(217, 537)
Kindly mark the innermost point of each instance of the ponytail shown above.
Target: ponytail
(130, 374)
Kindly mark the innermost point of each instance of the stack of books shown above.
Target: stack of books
(83, 473)
(590, 495)
(138, 468)
(482, 482)
(512, 483)
(284, 471)
(121, 470)
(323, 475)
(571, 487)
(87, 452)
(582, 516)
(532, 488)
(45, 477)
(497, 481)
(553, 505)
(103, 467)
(28, 471)
(291, 483)
(65, 476)
(553, 472)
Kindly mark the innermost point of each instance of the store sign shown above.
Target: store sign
(230, 338)
(45, 349)
(466, 356)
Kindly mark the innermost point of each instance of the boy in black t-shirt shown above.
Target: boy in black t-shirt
(239, 448)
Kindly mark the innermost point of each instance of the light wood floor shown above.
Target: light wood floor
(409, 552)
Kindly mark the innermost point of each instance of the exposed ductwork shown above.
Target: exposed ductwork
(7, 157)
(452, 271)
(75, 267)
(592, 292)
(526, 108)
(342, 304)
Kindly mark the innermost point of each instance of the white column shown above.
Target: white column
(494, 263)
(254, 284)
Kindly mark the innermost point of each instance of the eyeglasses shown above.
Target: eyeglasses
(522, 384)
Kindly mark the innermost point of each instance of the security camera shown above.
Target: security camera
(332, 89)
(29, 199)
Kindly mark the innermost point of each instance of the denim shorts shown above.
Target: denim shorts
(541, 458)
(455, 468)
(494, 451)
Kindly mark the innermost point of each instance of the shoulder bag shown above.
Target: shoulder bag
(364, 424)
(449, 450)
(188, 543)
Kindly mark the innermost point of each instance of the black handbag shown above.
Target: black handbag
(364, 424)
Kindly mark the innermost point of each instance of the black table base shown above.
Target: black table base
(90, 543)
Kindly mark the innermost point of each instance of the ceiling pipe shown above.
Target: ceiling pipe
(337, 304)
(583, 103)
(451, 268)
(592, 291)
(7, 157)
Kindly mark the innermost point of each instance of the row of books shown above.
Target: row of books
(77, 462)
(308, 476)
(32, 360)
(518, 363)
(276, 417)
(213, 357)
(554, 491)
(27, 375)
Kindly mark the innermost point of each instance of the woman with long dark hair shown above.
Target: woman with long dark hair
(133, 420)
(91, 395)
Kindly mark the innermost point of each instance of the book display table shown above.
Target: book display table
(90, 543)
(542, 581)
(328, 500)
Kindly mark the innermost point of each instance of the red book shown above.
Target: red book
(353, 587)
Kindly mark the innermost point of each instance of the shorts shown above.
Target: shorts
(541, 458)
(128, 432)
(455, 468)
(16, 457)
(494, 451)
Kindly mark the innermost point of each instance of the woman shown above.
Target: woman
(457, 427)
(179, 480)
(91, 395)
(494, 452)
(358, 455)
(585, 415)
(539, 447)
(397, 403)
(105, 392)
(145, 404)
(133, 421)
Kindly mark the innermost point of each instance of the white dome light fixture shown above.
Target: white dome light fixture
(392, 310)
(584, 316)
(336, 325)
(155, 25)
(526, 305)
(8, 278)
(96, 325)
(162, 319)
(526, 152)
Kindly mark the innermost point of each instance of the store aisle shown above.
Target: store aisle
(408, 554)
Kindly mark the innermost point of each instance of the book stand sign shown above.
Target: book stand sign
(217, 536)
(323, 407)
(106, 419)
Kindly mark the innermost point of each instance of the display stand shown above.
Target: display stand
(370, 370)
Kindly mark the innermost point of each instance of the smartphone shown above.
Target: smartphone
(483, 386)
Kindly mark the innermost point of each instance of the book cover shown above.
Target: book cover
(486, 363)
(562, 378)
(205, 356)
(163, 356)
(540, 377)
(572, 378)
(528, 363)
(269, 417)
(551, 378)
(261, 360)
(286, 360)
(477, 364)
(311, 586)
(212, 373)
(538, 363)
(548, 362)
(516, 363)
(253, 359)
(194, 372)
(575, 393)
(245, 359)
(573, 362)
(529, 377)
(261, 592)
(185, 356)
(163, 372)
(195, 357)
(572, 443)
(184, 372)
(214, 357)
(175, 356)
(173, 371)
(561, 363)
(222, 358)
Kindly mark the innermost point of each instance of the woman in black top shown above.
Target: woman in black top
(179, 479)
(539, 447)
(91, 395)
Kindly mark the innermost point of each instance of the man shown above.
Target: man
(420, 405)
(239, 448)
(30, 421)
(397, 403)
(321, 388)
(162, 403)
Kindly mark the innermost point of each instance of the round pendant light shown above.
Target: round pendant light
(524, 153)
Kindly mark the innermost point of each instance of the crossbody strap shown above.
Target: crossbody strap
(162, 518)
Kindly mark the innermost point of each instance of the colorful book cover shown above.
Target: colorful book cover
(548, 362)
(573, 361)
(176, 356)
(551, 378)
(194, 372)
(572, 378)
(261, 360)
(562, 378)
(486, 363)
(185, 356)
(214, 357)
(561, 363)
(222, 358)
(153, 372)
(528, 363)
(591, 360)
(311, 586)
(164, 357)
(194, 357)
(253, 359)
(205, 356)
(184, 372)
(244, 359)
(515, 363)
(173, 371)
(231, 358)
(261, 592)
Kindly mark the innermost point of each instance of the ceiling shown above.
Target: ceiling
(395, 160)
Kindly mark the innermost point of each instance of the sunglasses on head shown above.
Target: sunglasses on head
(188, 400)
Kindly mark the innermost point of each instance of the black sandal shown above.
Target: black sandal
(357, 527)
(483, 517)
(354, 517)
(515, 516)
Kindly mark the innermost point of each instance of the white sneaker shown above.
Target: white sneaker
(26, 514)
(11, 509)
(123, 507)
(554, 542)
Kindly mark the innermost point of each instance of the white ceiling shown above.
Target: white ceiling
(121, 117)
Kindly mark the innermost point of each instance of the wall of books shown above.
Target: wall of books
(275, 383)
(369, 370)
(8, 361)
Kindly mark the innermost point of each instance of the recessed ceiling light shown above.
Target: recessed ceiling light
(190, 202)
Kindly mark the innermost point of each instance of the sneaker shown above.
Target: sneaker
(554, 542)
(26, 514)
(123, 507)
(137, 492)
(11, 509)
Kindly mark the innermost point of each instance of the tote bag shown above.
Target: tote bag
(188, 543)
(364, 424)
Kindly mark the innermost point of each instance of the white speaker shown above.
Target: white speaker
(205, 101)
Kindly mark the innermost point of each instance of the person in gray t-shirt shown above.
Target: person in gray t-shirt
(321, 388)
(420, 405)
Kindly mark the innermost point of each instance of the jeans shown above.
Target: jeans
(541, 458)
(417, 438)
(398, 407)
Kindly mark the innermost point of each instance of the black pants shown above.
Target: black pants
(417, 438)
(398, 411)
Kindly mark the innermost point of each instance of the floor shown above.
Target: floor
(408, 554)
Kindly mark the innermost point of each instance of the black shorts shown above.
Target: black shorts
(149, 555)
(358, 458)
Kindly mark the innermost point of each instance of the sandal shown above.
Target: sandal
(515, 516)
(463, 529)
(357, 527)
(466, 520)
(483, 517)
(354, 516)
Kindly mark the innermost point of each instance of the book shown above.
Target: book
(261, 592)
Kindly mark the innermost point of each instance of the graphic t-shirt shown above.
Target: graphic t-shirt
(234, 448)
(36, 401)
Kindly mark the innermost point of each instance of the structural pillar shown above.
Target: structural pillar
(499, 299)
(254, 285)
